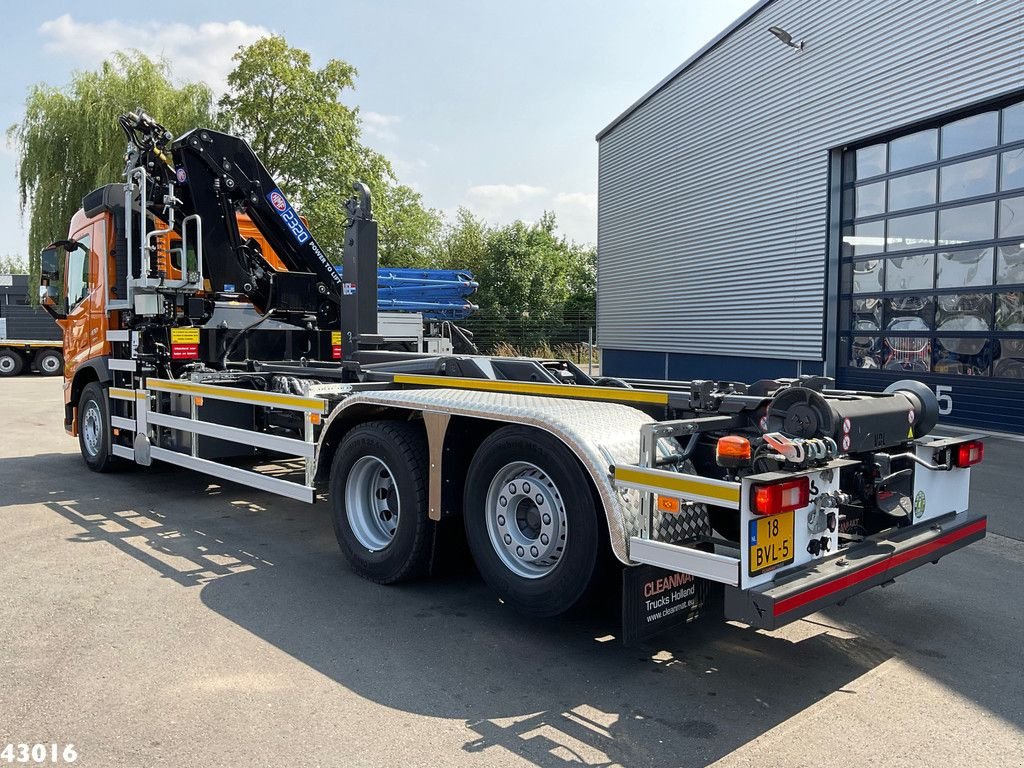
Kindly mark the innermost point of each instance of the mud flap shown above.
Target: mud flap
(655, 599)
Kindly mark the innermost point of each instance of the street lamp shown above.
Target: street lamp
(785, 37)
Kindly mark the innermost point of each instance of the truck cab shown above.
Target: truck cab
(74, 293)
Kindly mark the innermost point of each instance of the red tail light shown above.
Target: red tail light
(968, 454)
(771, 499)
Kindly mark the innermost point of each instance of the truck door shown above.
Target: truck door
(82, 334)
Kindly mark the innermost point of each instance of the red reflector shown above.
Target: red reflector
(782, 497)
(970, 453)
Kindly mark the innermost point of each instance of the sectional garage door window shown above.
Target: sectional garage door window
(932, 259)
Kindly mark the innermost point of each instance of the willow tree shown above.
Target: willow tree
(69, 142)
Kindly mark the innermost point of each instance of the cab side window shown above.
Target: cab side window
(78, 273)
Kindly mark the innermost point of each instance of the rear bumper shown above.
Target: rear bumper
(874, 561)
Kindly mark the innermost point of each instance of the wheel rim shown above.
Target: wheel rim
(49, 363)
(92, 420)
(526, 520)
(6, 364)
(372, 503)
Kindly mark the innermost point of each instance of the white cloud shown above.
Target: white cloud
(379, 125)
(502, 194)
(586, 201)
(196, 52)
(576, 212)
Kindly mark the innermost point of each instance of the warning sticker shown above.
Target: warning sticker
(336, 345)
(184, 343)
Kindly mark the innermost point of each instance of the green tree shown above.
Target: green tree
(294, 117)
(535, 286)
(13, 265)
(69, 143)
(407, 230)
(462, 244)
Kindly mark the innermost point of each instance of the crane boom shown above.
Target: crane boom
(217, 176)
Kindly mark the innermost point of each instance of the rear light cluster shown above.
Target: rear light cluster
(968, 454)
(775, 498)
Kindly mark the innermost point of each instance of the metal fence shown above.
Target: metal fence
(559, 333)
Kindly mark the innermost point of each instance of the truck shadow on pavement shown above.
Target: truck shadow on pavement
(552, 692)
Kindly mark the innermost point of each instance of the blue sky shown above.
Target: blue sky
(492, 106)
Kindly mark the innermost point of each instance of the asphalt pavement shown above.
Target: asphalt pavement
(160, 618)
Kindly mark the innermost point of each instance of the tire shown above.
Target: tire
(543, 564)
(94, 429)
(50, 363)
(379, 466)
(11, 362)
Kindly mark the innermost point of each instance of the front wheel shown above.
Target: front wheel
(531, 521)
(94, 428)
(378, 493)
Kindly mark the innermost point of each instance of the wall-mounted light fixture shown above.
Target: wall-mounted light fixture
(785, 37)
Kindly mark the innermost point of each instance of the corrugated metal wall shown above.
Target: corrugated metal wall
(712, 208)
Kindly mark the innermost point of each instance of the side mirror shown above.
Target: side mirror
(51, 262)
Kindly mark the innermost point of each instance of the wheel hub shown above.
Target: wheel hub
(91, 421)
(526, 520)
(372, 502)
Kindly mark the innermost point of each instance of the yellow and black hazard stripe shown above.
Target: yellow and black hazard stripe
(721, 493)
(576, 392)
(280, 400)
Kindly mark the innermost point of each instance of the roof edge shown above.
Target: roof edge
(714, 43)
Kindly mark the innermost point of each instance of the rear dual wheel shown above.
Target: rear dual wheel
(531, 521)
(529, 512)
(378, 492)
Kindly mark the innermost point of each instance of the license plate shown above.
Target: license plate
(771, 542)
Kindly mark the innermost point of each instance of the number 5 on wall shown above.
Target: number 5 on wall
(944, 394)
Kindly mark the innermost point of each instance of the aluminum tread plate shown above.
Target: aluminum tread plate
(601, 434)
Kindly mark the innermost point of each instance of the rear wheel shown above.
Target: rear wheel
(94, 428)
(50, 363)
(11, 362)
(531, 521)
(378, 492)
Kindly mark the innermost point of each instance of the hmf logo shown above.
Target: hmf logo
(289, 216)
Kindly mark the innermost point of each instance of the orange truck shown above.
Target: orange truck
(190, 342)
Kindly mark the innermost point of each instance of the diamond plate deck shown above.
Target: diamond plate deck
(600, 434)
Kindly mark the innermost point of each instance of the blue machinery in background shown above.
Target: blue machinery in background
(439, 294)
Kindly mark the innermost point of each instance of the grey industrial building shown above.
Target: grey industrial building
(843, 193)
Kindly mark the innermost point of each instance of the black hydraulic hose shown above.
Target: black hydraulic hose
(241, 335)
(678, 458)
(459, 334)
